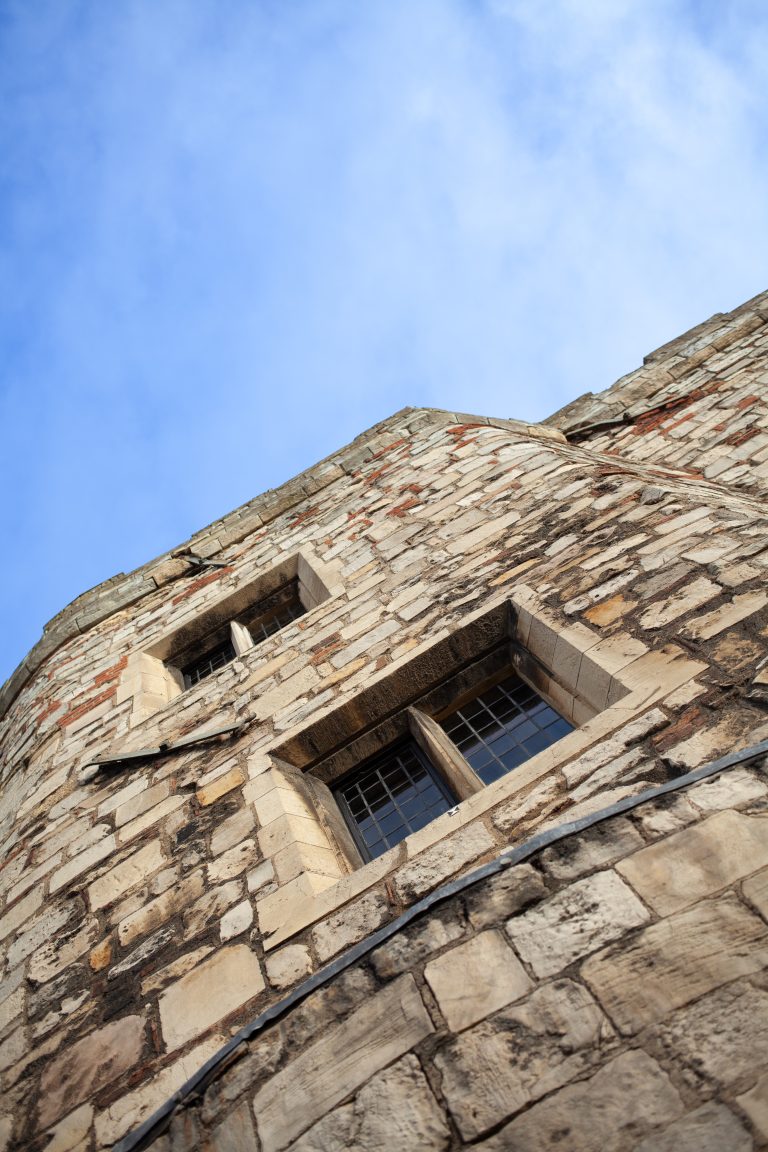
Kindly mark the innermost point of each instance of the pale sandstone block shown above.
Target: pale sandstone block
(380, 1030)
(677, 960)
(12, 1049)
(297, 858)
(728, 790)
(50, 923)
(211, 905)
(413, 944)
(130, 831)
(288, 966)
(233, 862)
(136, 805)
(711, 1128)
(232, 831)
(82, 863)
(755, 1104)
(756, 891)
(209, 993)
(212, 792)
(692, 596)
(592, 849)
(442, 861)
(475, 979)
(130, 1110)
(578, 920)
(11, 1008)
(157, 912)
(122, 877)
(286, 908)
(289, 830)
(724, 1035)
(709, 743)
(698, 861)
(77, 1073)
(628, 1097)
(498, 1067)
(396, 1109)
(235, 1134)
(712, 623)
(72, 1131)
(350, 924)
(259, 876)
(20, 913)
(236, 920)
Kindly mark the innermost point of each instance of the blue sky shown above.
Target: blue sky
(235, 233)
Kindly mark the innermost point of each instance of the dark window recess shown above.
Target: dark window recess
(274, 612)
(503, 727)
(390, 796)
(203, 666)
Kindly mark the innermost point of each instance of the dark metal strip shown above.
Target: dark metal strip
(142, 1136)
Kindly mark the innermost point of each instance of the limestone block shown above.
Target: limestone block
(728, 790)
(711, 623)
(578, 920)
(413, 944)
(755, 1104)
(289, 965)
(11, 1008)
(475, 979)
(396, 1109)
(630, 1096)
(20, 912)
(283, 911)
(82, 863)
(492, 1071)
(711, 1128)
(350, 924)
(60, 951)
(232, 862)
(698, 861)
(594, 848)
(219, 787)
(209, 993)
(150, 946)
(154, 914)
(723, 1035)
(78, 1072)
(235, 1134)
(503, 895)
(677, 960)
(136, 827)
(232, 831)
(72, 1131)
(439, 863)
(47, 926)
(131, 1109)
(136, 869)
(210, 906)
(136, 805)
(756, 891)
(236, 920)
(381, 1029)
(12, 1049)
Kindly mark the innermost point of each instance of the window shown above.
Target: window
(400, 790)
(261, 620)
(394, 794)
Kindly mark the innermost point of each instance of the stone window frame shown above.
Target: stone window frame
(599, 683)
(153, 677)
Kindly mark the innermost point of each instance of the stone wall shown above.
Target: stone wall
(153, 905)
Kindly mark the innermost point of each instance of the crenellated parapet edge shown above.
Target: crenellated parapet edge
(124, 589)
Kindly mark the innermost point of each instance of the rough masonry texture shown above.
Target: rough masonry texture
(175, 862)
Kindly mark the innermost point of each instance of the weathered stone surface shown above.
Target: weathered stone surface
(20, 912)
(384, 1027)
(232, 862)
(627, 1098)
(675, 961)
(755, 1104)
(210, 992)
(146, 950)
(577, 921)
(235, 1134)
(711, 1128)
(528, 1050)
(71, 1132)
(475, 979)
(737, 1016)
(288, 966)
(436, 865)
(350, 924)
(219, 787)
(211, 906)
(131, 1109)
(728, 790)
(396, 1109)
(236, 920)
(413, 944)
(136, 869)
(232, 831)
(698, 861)
(595, 848)
(157, 912)
(504, 895)
(83, 1068)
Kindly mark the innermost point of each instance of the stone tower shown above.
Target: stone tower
(419, 803)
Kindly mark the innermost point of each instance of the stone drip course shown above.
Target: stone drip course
(152, 907)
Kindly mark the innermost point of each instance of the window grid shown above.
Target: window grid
(274, 612)
(210, 662)
(504, 726)
(392, 796)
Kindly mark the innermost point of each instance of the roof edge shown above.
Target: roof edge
(99, 603)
